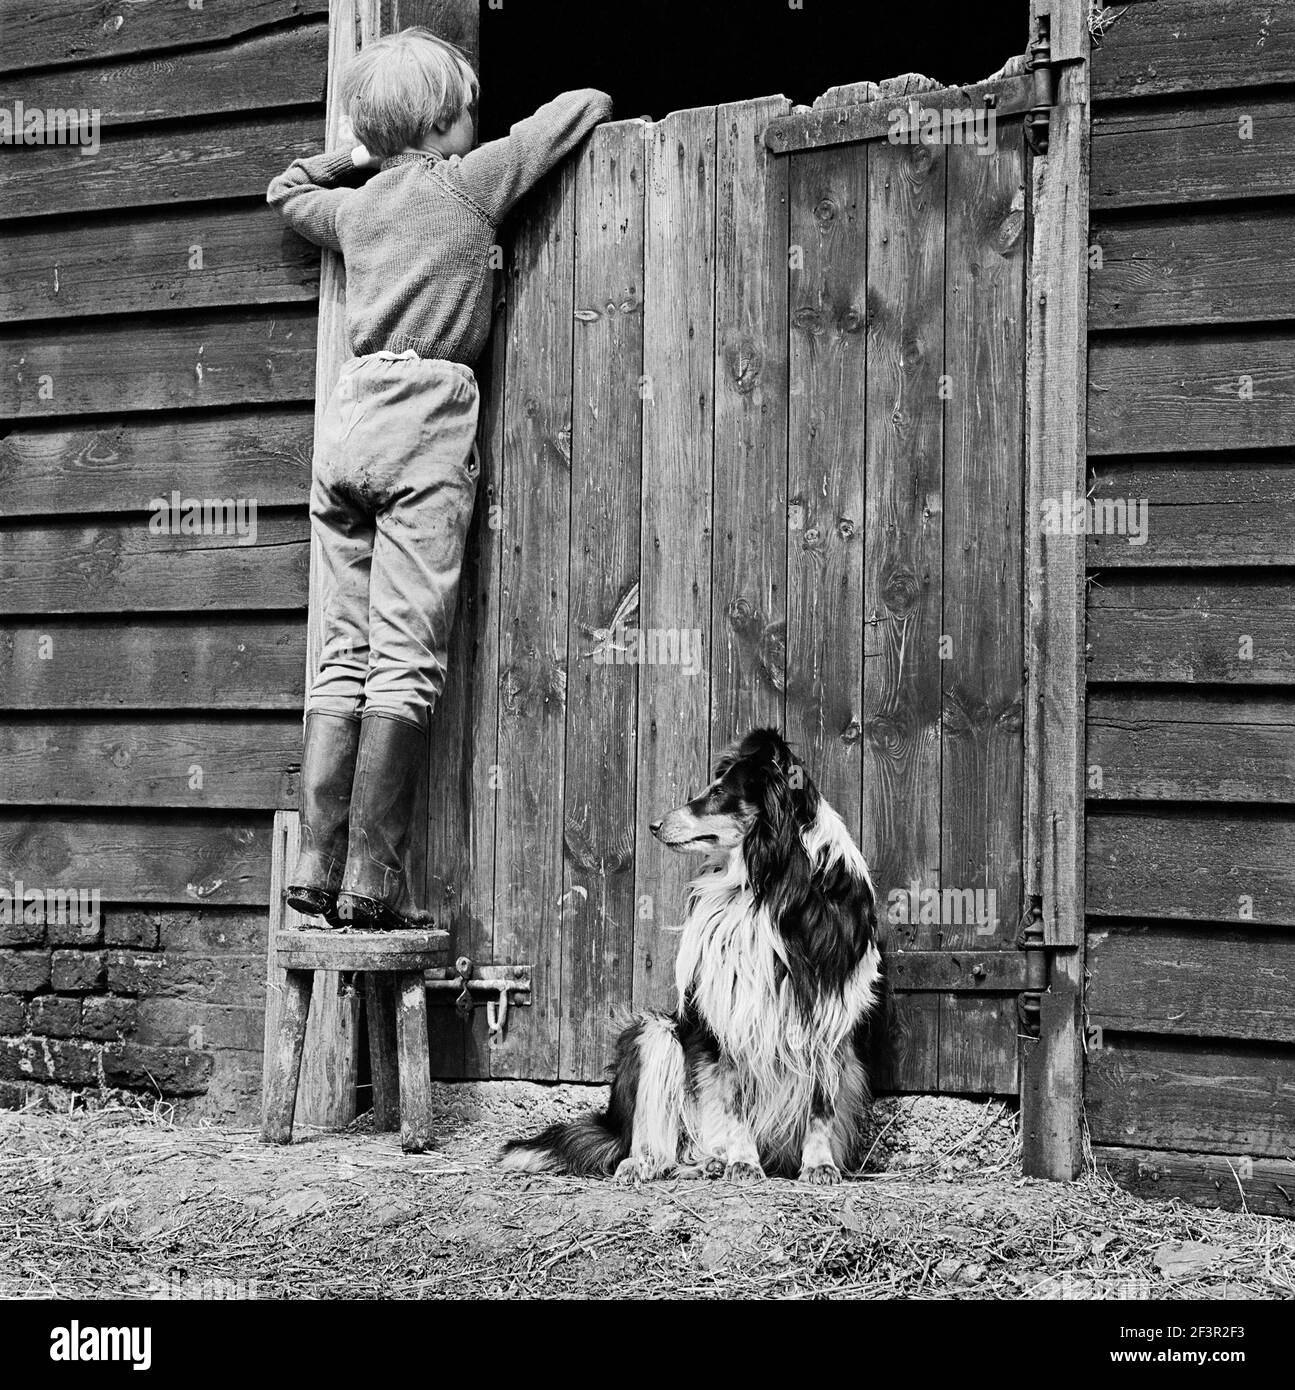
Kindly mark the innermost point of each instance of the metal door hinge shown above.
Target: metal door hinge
(1040, 66)
(1029, 938)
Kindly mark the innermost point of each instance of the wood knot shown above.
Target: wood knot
(740, 611)
(1010, 231)
(825, 210)
(850, 321)
(744, 361)
(901, 592)
(885, 737)
(809, 320)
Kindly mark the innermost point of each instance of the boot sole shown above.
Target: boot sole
(314, 902)
(364, 914)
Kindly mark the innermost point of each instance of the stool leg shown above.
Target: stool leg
(380, 1004)
(280, 1098)
(415, 1063)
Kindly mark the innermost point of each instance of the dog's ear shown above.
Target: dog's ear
(786, 803)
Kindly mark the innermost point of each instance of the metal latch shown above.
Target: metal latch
(1029, 938)
(501, 984)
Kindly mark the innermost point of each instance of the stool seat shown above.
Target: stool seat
(393, 965)
(363, 950)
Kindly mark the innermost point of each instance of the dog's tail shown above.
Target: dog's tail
(590, 1146)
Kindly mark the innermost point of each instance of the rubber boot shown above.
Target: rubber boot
(328, 755)
(375, 894)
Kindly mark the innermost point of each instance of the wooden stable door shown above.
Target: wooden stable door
(754, 454)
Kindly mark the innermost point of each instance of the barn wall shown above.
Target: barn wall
(157, 334)
(1191, 710)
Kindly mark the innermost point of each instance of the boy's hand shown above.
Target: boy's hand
(360, 157)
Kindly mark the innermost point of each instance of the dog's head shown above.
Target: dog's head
(759, 796)
(762, 804)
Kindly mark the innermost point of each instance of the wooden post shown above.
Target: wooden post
(283, 1058)
(326, 1092)
(415, 1071)
(1056, 465)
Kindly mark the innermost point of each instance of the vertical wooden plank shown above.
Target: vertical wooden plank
(484, 698)
(749, 554)
(910, 1044)
(534, 575)
(983, 751)
(463, 753)
(826, 438)
(330, 1066)
(982, 755)
(674, 555)
(903, 545)
(602, 685)
(1056, 462)
(977, 1048)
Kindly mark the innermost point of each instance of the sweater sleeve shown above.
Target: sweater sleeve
(308, 197)
(496, 175)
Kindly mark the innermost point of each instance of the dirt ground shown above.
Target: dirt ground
(119, 1202)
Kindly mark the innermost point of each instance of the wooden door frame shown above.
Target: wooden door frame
(1052, 1077)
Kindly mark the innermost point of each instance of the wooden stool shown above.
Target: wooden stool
(393, 965)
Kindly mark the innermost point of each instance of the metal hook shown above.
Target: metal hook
(497, 1015)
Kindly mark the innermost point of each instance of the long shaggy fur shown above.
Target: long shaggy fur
(761, 1066)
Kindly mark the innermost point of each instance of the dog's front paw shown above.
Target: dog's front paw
(744, 1172)
(627, 1172)
(638, 1168)
(823, 1174)
(714, 1168)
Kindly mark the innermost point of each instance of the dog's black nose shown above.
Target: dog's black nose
(655, 827)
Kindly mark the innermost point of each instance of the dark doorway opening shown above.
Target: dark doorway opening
(657, 56)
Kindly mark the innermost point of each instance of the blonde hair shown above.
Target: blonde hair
(397, 88)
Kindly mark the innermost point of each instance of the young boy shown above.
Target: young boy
(395, 469)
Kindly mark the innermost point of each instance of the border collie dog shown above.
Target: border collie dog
(760, 1067)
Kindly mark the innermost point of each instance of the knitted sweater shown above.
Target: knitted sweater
(416, 238)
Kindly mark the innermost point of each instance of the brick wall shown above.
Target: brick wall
(167, 1005)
